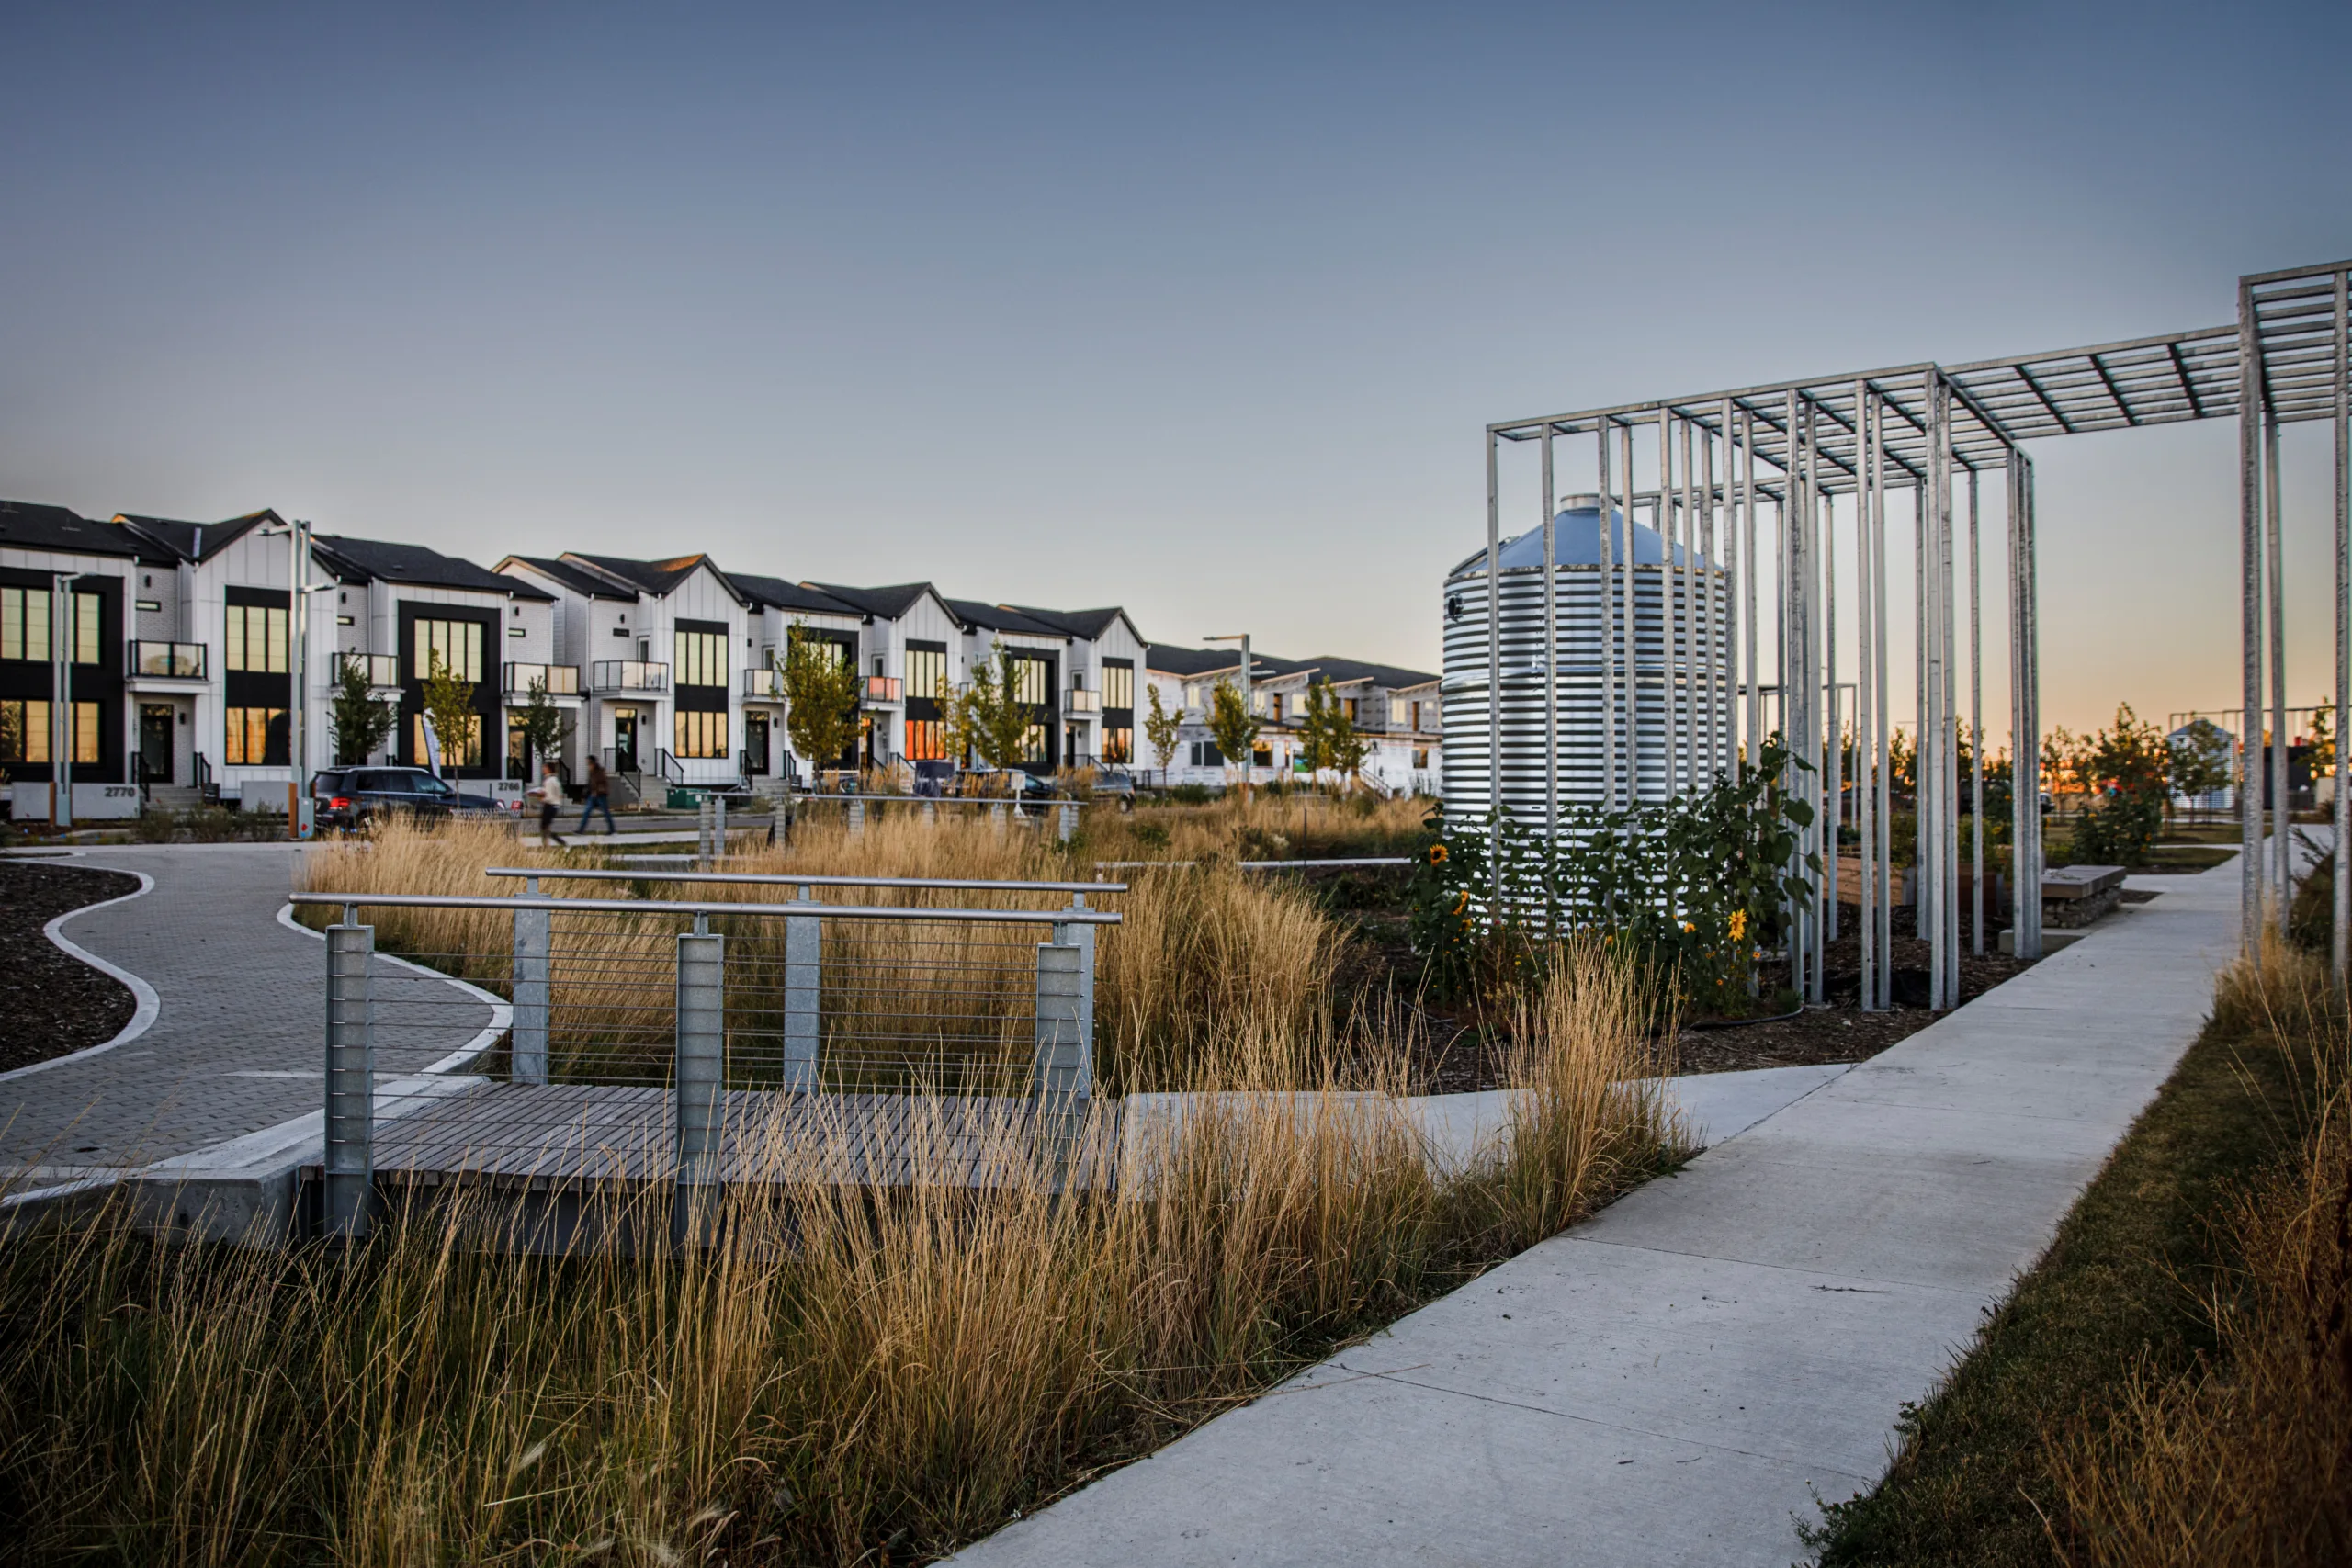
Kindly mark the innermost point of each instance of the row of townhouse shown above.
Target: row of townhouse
(180, 658)
(1398, 710)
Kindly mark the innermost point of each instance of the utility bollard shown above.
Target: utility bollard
(1069, 822)
(803, 954)
(699, 1079)
(526, 1050)
(350, 1080)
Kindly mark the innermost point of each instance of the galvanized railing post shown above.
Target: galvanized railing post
(1069, 822)
(718, 828)
(856, 817)
(996, 815)
(930, 811)
(350, 1158)
(700, 1076)
(1064, 1063)
(526, 1053)
(803, 954)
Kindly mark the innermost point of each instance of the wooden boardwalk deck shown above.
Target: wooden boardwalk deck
(576, 1137)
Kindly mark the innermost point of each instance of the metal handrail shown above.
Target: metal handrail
(781, 879)
(1074, 917)
(1265, 864)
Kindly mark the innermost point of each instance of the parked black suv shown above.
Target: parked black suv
(345, 797)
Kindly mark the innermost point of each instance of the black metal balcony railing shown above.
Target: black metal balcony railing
(628, 675)
(170, 660)
(381, 669)
(767, 685)
(560, 680)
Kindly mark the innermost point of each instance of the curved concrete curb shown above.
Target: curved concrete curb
(502, 1012)
(143, 1017)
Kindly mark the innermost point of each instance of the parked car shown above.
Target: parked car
(345, 798)
(1117, 786)
(1028, 789)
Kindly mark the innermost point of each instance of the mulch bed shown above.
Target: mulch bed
(1457, 1048)
(51, 1004)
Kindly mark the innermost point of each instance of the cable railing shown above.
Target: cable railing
(655, 1036)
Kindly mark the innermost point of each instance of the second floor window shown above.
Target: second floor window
(1029, 684)
(926, 673)
(1118, 683)
(255, 639)
(24, 626)
(702, 658)
(457, 644)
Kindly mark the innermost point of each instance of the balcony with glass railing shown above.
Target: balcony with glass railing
(882, 689)
(763, 685)
(167, 660)
(627, 675)
(559, 680)
(1081, 702)
(381, 669)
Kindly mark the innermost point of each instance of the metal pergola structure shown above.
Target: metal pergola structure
(1776, 459)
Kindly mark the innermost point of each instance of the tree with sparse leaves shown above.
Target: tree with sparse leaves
(820, 691)
(988, 718)
(449, 706)
(1160, 728)
(1234, 728)
(358, 721)
(541, 725)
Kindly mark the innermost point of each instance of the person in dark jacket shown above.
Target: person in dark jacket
(599, 797)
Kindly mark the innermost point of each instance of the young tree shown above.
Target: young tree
(450, 705)
(2199, 758)
(1347, 746)
(820, 691)
(1317, 721)
(1234, 728)
(989, 718)
(357, 723)
(1160, 728)
(541, 723)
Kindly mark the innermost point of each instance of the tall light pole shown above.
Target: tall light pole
(64, 635)
(1243, 638)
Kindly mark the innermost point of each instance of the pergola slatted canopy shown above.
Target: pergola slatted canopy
(1797, 447)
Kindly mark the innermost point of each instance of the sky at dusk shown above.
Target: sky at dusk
(1197, 309)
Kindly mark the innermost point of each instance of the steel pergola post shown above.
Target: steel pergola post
(2340, 939)
(2283, 885)
(2250, 618)
(1865, 699)
(1975, 728)
(1494, 681)
(1551, 657)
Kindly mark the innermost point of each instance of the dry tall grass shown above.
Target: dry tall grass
(1205, 959)
(2248, 1461)
(843, 1377)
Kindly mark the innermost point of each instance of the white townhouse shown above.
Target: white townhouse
(658, 646)
(1077, 671)
(910, 654)
(391, 609)
(1398, 710)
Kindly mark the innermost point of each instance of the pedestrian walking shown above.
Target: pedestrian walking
(548, 793)
(599, 798)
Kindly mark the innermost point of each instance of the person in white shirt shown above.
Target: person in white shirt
(548, 793)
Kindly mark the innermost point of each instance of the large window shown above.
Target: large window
(24, 626)
(457, 644)
(457, 751)
(926, 673)
(701, 734)
(702, 661)
(24, 731)
(257, 737)
(1118, 746)
(1118, 683)
(256, 640)
(926, 740)
(1031, 678)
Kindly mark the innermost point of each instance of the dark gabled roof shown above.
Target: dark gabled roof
(364, 560)
(883, 603)
(653, 576)
(1189, 661)
(777, 594)
(194, 541)
(1088, 623)
(580, 579)
(1345, 671)
(30, 525)
(998, 618)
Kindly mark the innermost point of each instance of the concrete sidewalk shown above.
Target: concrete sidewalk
(1678, 1380)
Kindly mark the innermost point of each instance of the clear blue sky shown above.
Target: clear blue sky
(1201, 310)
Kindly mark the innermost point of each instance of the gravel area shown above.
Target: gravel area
(52, 1004)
